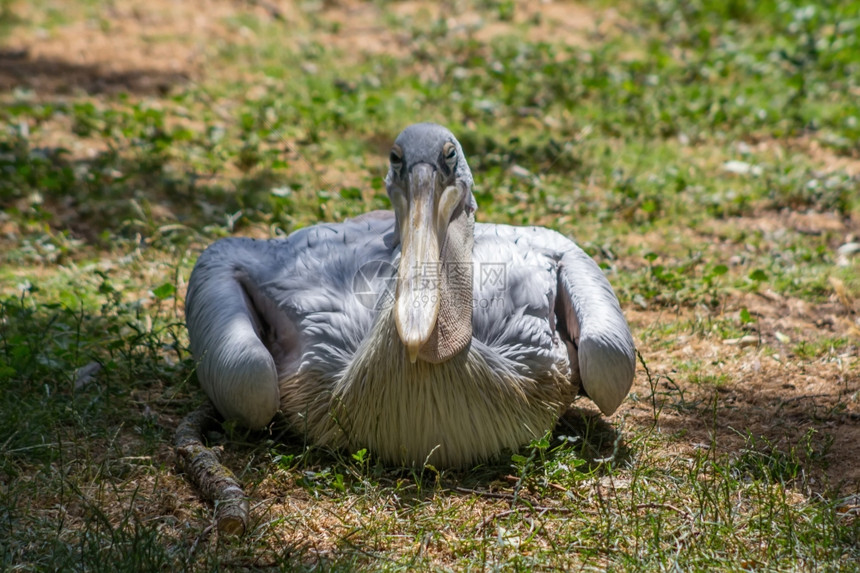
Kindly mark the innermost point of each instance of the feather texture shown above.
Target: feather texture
(304, 324)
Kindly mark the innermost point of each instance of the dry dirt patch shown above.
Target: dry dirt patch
(364, 28)
(826, 157)
(133, 46)
(721, 392)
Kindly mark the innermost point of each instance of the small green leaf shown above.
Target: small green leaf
(166, 290)
(745, 316)
(758, 275)
(541, 444)
(351, 193)
(360, 455)
(338, 484)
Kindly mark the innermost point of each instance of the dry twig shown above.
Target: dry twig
(214, 481)
(540, 510)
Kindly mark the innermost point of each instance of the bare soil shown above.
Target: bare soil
(737, 391)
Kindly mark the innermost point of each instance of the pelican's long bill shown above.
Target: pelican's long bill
(428, 210)
(419, 275)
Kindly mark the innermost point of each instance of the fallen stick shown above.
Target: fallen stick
(215, 481)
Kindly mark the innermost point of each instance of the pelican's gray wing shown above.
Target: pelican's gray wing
(259, 311)
(534, 287)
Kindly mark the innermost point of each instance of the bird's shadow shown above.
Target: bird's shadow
(581, 434)
(600, 442)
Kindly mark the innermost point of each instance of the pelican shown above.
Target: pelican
(416, 334)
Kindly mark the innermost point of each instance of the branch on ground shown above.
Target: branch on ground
(215, 481)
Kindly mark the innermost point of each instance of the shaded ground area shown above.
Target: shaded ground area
(59, 77)
(134, 47)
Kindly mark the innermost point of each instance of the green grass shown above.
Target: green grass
(705, 153)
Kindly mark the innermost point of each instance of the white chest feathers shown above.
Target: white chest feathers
(452, 414)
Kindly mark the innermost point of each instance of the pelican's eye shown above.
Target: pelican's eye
(449, 152)
(396, 158)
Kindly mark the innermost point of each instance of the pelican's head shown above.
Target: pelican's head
(430, 186)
